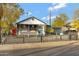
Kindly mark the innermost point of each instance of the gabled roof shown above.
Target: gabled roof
(31, 18)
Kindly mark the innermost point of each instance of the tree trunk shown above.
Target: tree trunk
(0, 35)
(1, 14)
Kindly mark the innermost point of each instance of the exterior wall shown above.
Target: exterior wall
(35, 21)
(29, 32)
(64, 29)
(31, 21)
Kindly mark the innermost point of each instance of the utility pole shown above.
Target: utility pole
(50, 18)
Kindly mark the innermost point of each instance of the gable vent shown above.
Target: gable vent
(33, 19)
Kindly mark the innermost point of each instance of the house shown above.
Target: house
(68, 28)
(65, 29)
(30, 26)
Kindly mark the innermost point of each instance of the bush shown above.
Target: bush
(50, 30)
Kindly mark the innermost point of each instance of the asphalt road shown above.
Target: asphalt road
(71, 49)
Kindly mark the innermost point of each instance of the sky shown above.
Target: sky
(41, 10)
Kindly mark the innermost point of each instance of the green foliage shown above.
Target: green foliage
(50, 30)
(76, 14)
(60, 20)
(75, 23)
(11, 13)
(1, 11)
(63, 17)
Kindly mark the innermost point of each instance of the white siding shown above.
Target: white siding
(35, 21)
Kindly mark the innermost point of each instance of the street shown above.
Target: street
(68, 48)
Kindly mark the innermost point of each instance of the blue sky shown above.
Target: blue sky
(41, 10)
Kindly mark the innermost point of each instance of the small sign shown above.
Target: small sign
(40, 32)
(61, 33)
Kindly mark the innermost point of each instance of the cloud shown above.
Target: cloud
(29, 13)
(47, 17)
(44, 18)
(52, 17)
(57, 6)
(54, 3)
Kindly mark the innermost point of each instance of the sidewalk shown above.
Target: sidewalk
(10, 47)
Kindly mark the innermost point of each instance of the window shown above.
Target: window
(33, 27)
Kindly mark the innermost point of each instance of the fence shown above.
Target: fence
(26, 39)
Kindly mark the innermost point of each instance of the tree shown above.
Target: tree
(76, 14)
(1, 14)
(75, 23)
(11, 13)
(60, 20)
(63, 17)
(49, 30)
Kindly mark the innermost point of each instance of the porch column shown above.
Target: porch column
(18, 29)
(43, 27)
(28, 31)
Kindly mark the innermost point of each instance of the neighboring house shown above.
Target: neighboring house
(68, 27)
(57, 30)
(65, 29)
(30, 26)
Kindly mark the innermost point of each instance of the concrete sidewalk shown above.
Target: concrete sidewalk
(10, 47)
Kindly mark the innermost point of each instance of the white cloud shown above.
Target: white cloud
(48, 17)
(57, 6)
(53, 4)
(52, 17)
(29, 13)
(44, 18)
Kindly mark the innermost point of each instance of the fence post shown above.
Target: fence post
(41, 38)
(23, 39)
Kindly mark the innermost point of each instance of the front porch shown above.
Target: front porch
(29, 29)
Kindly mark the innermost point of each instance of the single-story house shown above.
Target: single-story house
(65, 29)
(30, 26)
(68, 28)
